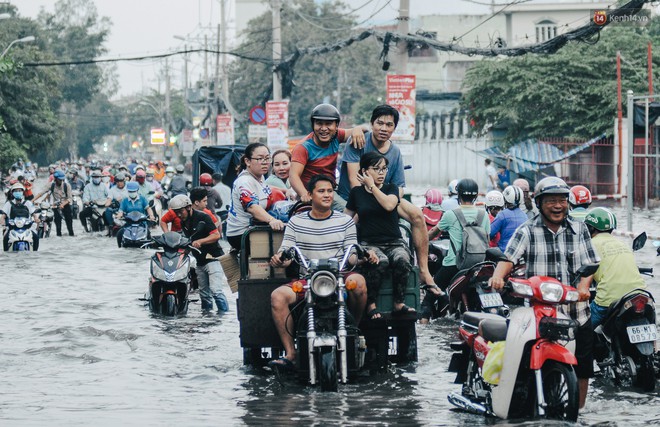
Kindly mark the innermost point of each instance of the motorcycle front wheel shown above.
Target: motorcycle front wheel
(169, 305)
(560, 389)
(328, 368)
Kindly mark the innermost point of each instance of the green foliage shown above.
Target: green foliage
(9, 151)
(342, 77)
(568, 94)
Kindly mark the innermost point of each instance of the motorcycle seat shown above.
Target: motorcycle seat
(474, 318)
(494, 329)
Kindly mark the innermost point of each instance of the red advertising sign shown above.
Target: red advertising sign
(225, 129)
(401, 95)
(277, 115)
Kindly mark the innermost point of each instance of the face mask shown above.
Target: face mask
(150, 178)
(133, 194)
(96, 181)
(106, 179)
(18, 195)
(169, 174)
(140, 180)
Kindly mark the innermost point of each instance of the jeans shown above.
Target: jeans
(598, 313)
(209, 278)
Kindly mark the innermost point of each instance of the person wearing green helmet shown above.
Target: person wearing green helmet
(618, 273)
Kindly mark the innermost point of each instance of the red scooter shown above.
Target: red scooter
(537, 377)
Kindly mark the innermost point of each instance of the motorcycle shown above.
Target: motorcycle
(134, 230)
(20, 234)
(169, 285)
(46, 216)
(75, 203)
(95, 221)
(328, 341)
(537, 377)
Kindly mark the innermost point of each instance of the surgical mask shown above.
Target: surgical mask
(170, 174)
(18, 195)
(96, 181)
(133, 194)
(150, 178)
(106, 179)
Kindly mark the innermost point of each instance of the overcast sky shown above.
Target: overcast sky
(147, 27)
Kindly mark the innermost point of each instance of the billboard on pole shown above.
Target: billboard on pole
(157, 136)
(277, 115)
(225, 129)
(401, 95)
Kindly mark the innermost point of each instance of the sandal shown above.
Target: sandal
(374, 314)
(403, 310)
(282, 364)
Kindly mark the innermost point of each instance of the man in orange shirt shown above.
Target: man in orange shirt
(199, 199)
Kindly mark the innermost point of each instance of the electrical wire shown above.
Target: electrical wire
(341, 28)
(515, 2)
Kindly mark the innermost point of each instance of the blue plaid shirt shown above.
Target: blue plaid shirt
(557, 255)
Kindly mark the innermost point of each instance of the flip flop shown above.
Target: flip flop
(282, 364)
(403, 310)
(374, 314)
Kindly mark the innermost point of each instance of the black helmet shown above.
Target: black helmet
(325, 112)
(467, 189)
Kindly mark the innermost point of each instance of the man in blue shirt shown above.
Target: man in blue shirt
(384, 120)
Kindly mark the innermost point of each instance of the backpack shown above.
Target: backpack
(64, 184)
(475, 241)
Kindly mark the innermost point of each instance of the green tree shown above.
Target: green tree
(571, 93)
(342, 77)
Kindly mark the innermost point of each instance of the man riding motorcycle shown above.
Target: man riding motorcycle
(617, 274)
(93, 192)
(18, 207)
(116, 194)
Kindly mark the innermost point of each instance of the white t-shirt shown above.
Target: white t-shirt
(246, 192)
(491, 172)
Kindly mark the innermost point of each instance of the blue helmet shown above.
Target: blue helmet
(58, 174)
(132, 186)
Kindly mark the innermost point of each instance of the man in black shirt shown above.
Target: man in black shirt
(205, 238)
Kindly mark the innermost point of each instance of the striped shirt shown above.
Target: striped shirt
(557, 255)
(320, 238)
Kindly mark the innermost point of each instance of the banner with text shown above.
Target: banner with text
(277, 115)
(401, 95)
(225, 129)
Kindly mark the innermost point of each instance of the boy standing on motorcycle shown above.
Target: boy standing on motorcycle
(320, 233)
(617, 274)
(17, 207)
(209, 271)
(554, 245)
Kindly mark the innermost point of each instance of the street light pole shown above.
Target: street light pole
(23, 40)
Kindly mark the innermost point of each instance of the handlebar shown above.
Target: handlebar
(646, 270)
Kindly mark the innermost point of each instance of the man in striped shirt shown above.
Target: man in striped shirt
(320, 234)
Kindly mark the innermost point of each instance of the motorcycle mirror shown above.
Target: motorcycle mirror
(495, 254)
(639, 241)
(200, 226)
(587, 270)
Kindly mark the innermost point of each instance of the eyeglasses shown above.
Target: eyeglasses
(562, 201)
(380, 171)
(262, 159)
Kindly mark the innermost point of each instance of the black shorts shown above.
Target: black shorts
(584, 344)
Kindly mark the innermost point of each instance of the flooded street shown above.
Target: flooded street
(79, 347)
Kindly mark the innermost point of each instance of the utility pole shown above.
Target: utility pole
(166, 128)
(225, 75)
(277, 49)
(403, 28)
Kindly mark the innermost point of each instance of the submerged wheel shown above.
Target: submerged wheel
(328, 368)
(646, 374)
(560, 389)
(625, 373)
(169, 305)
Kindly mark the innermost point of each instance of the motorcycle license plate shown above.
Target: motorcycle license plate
(642, 333)
(491, 300)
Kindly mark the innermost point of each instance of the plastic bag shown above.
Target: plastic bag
(493, 363)
(280, 210)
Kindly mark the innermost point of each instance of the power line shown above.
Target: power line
(489, 18)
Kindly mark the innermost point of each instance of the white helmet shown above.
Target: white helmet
(169, 169)
(513, 195)
(451, 188)
(494, 199)
(17, 186)
(179, 202)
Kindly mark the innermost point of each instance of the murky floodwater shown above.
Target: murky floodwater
(79, 348)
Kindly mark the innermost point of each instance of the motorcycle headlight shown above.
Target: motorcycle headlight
(178, 275)
(551, 292)
(323, 284)
(20, 222)
(522, 289)
(158, 272)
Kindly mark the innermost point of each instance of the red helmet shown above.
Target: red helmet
(433, 196)
(205, 179)
(140, 174)
(580, 195)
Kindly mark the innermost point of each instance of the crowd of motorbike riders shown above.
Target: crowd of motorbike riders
(552, 230)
